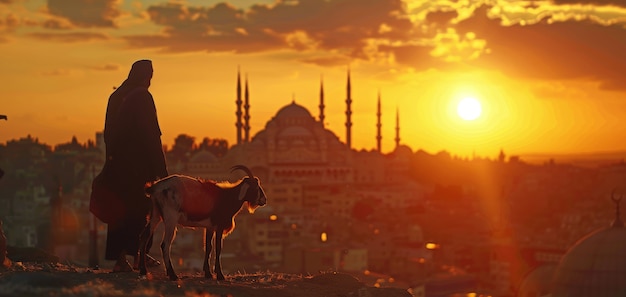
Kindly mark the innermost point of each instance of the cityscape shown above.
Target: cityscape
(436, 224)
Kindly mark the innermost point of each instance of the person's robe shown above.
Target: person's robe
(136, 158)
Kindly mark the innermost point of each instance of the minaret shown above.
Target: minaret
(322, 117)
(397, 127)
(379, 136)
(502, 156)
(349, 114)
(238, 102)
(618, 220)
(246, 116)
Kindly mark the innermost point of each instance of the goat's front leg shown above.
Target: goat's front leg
(148, 230)
(208, 237)
(166, 247)
(218, 251)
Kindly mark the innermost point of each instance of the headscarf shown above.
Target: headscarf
(139, 75)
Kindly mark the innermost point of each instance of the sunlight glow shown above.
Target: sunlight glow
(432, 246)
(469, 109)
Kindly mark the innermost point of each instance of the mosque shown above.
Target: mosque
(295, 147)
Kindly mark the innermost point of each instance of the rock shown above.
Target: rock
(4, 260)
(30, 254)
(38, 279)
(380, 292)
(337, 279)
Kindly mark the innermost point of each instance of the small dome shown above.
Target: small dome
(203, 157)
(594, 266)
(537, 282)
(293, 110)
(403, 151)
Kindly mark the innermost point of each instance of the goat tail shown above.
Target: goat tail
(149, 189)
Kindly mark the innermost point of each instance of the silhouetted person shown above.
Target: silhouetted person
(4, 261)
(135, 155)
(2, 117)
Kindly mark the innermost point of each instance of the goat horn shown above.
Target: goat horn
(244, 168)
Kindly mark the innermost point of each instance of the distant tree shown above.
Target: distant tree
(24, 160)
(28, 162)
(25, 154)
(72, 146)
(183, 146)
(216, 146)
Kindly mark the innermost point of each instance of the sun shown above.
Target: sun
(469, 109)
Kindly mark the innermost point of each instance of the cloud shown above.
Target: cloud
(221, 28)
(86, 13)
(9, 23)
(545, 41)
(552, 50)
(595, 2)
(557, 90)
(69, 36)
(327, 60)
(441, 17)
(415, 56)
(58, 72)
(307, 25)
(58, 24)
(106, 67)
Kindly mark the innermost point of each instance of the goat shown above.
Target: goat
(192, 202)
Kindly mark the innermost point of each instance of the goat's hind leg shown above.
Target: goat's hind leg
(166, 247)
(208, 237)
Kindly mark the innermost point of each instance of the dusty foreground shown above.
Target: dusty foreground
(62, 280)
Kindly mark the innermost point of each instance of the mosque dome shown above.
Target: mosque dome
(595, 265)
(403, 151)
(295, 131)
(293, 110)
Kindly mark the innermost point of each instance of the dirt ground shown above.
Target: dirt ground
(62, 280)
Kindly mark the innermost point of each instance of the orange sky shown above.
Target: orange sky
(551, 75)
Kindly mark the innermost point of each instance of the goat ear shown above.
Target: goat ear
(244, 189)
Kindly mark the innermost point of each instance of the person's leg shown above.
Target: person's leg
(114, 243)
(115, 248)
(142, 210)
(135, 226)
(122, 265)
